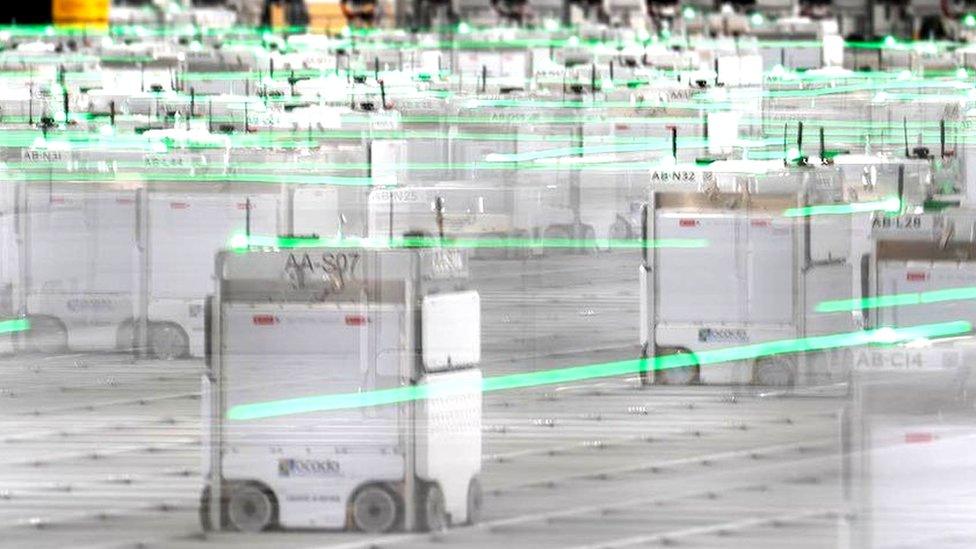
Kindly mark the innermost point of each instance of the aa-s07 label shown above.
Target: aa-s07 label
(338, 268)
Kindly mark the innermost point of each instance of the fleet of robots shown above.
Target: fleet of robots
(796, 185)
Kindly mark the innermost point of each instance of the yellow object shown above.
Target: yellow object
(277, 13)
(80, 12)
(324, 17)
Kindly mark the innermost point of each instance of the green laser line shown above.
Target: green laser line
(14, 325)
(891, 205)
(241, 242)
(322, 403)
(897, 300)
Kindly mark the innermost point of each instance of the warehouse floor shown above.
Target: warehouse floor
(105, 451)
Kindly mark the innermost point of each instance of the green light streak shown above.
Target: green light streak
(890, 43)
(242, 242)
(14, 325)
(897, 300)
(891, 205)
(943, 88)
(323, 403)
(185, 177)
(563, 152)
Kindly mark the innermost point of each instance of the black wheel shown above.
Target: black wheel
(774, 371)
(168, 341)
(47, 335)
(374, 509)
(433, 509)
(249, 508)
(683, 375)
(475, 501)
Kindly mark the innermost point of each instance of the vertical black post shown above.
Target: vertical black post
(593, 78)
(823, 148)
(193, 101)
(644, 228)
(369, 160)
(674, 142)
(611, 70)
(799, 138)
(376, 67)
(901, 187)
(247, 219)
(643, 234)
(942, 147)
(904, 127)
(439, 212)
(484, 78)
(786, 147)
(271, 67)
(111, 113)
(382, 95)
(247, 127)
(64, 95)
